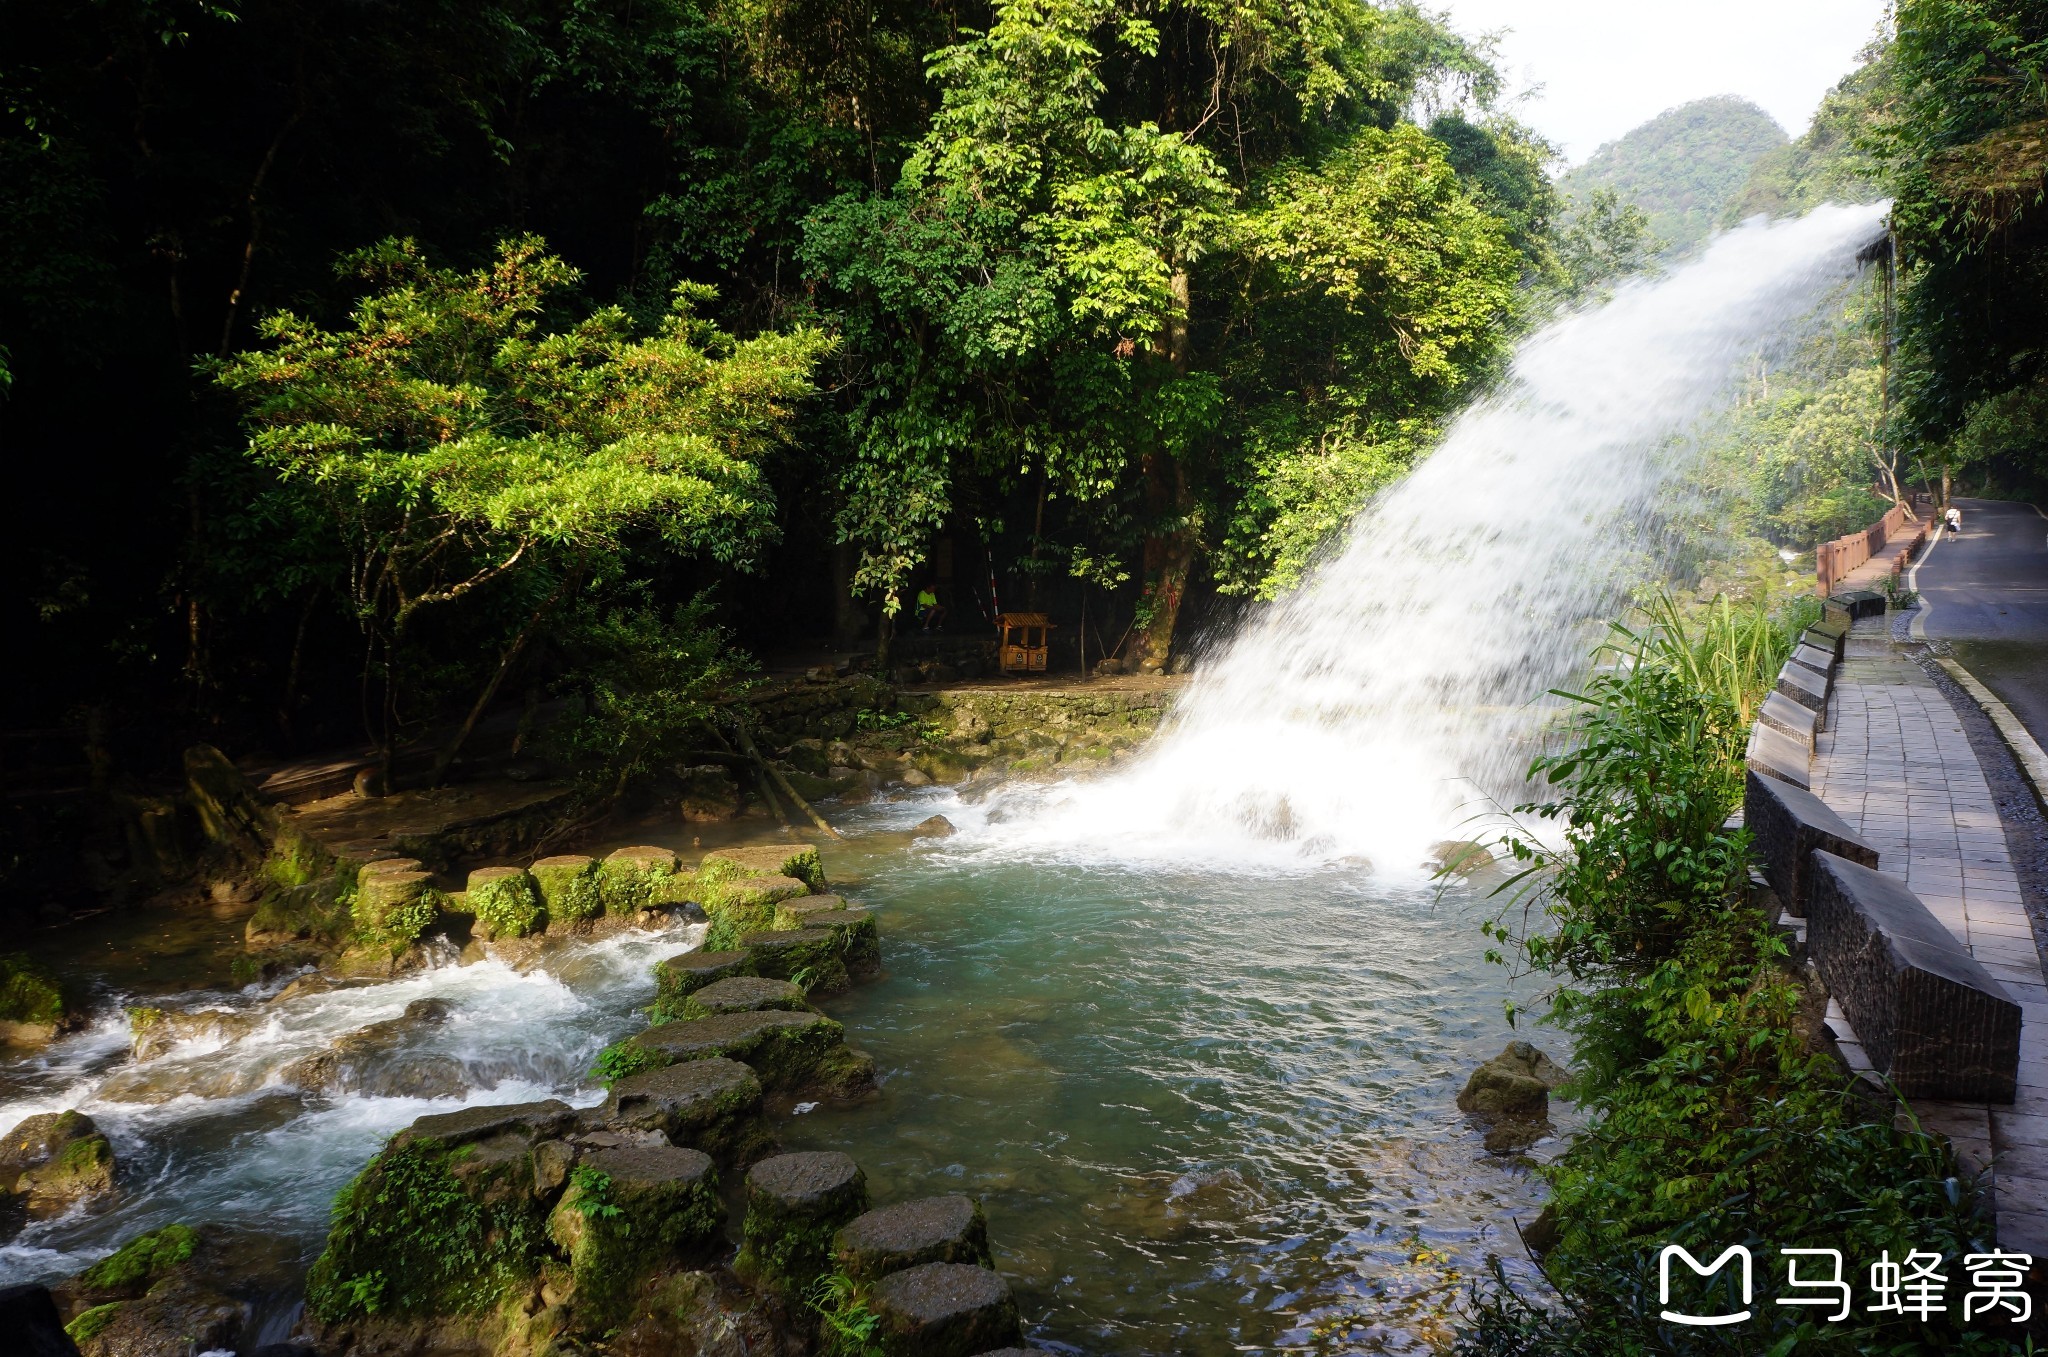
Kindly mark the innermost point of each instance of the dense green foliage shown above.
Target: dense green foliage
(1965, 149)
(1683, 166)
(28, 992)
(1713, 1118)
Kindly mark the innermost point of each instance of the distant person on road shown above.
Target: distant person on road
(929, 614)
(1954, 517)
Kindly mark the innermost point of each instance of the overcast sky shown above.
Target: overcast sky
(1606, 66)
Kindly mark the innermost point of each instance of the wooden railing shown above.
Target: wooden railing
(1832, 561)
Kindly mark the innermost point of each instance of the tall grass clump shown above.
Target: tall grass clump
(1715, 1114)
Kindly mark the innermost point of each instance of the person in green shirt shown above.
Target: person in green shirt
(929, 613)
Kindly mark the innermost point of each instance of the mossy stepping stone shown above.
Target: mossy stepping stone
(796, 1203)
(949, 1229)
(632, 879)
(793, 913)
(771, 859)
(529, 1121)
(809, 957)
(505, 901)
(746, 905)
(395, 902)
(943, 1310)
(860, 947)
(789, 1051)
(689, 972)
(712, 1104)
(743, 994)
(569, 887)
(626, 1212)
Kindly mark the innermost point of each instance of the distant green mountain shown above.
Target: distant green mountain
(1683, 165)
(1829, 162)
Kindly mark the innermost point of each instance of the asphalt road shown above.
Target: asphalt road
(1987, 595)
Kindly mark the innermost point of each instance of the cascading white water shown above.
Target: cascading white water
(1365, 713)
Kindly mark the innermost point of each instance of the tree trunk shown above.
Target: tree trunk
(446, 758)
(1169, 545)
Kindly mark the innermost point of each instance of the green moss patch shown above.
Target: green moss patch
(505, 901)
(29, 993)
(569, 888)
(93, 1322)
(141, 1262)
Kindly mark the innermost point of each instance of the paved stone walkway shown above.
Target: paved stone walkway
(1897, 765)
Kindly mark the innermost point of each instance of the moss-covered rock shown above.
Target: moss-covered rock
(153, 1032)
(395, 902)
(772, 859)
(792, 913)
(55, 1160)
(713, 1105)
(743, 994)
(32, 1006)
(505, 901)
(790, 1052)
(448, 1219)
(569, 888)
(742, 905)
(860, 938)
(796, 1203)
(638, 878)
(139, 1264)
(811, 958)
(627, 1212)
(687, 972)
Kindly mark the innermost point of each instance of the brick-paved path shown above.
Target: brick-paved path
(1897, 765)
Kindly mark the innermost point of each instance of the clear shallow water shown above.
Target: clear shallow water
(1206, 1112)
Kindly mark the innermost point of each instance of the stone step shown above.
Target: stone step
(797, 1053)
(948, 1229)
(795, 1204)
(688, 972)
(943, 1310)
(743, 994)
(713, 1105)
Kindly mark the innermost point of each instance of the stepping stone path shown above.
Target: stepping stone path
(712, 1104)
(743, 994)
(943, 1310)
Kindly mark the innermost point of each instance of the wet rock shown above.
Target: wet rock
(811, 958)
(505, 901)
(743, 994)
(709, 793)
(936, 827)
(627, 1212)
(687, 972)
(914, 778)
(569, 889)
(367, 1061)
(370, 784)
(796, 1203)
(943, 1310)
(949, 1229)
(154, 1031)
(633, 879)
(162, 1082)
(55, 1160)
(712, 1104)
(1510, 1095)
(177, 1290)
(790, 1052)
(529, 1121)
(33, 1327)
(807, 756)
(1460, 857)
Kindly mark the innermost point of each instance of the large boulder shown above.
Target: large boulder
(178, 1290)
(943, 1310)
(153, 1032)
(949, 1229)
(796, 1203)
(55, 1160)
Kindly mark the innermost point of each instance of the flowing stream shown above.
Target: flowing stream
(1193, 1029)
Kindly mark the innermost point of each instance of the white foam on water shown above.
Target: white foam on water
(1371, 712)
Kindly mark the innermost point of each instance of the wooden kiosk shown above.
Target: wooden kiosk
(1025, 645)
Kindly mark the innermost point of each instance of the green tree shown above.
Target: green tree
(454, 443)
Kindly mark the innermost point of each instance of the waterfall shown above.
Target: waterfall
(1371, 711)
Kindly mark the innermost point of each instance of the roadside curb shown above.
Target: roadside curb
(2025, 750)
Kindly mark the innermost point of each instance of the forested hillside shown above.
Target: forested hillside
(1682, 167)
(361, 364)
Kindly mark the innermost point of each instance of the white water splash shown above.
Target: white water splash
(1361, 715)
